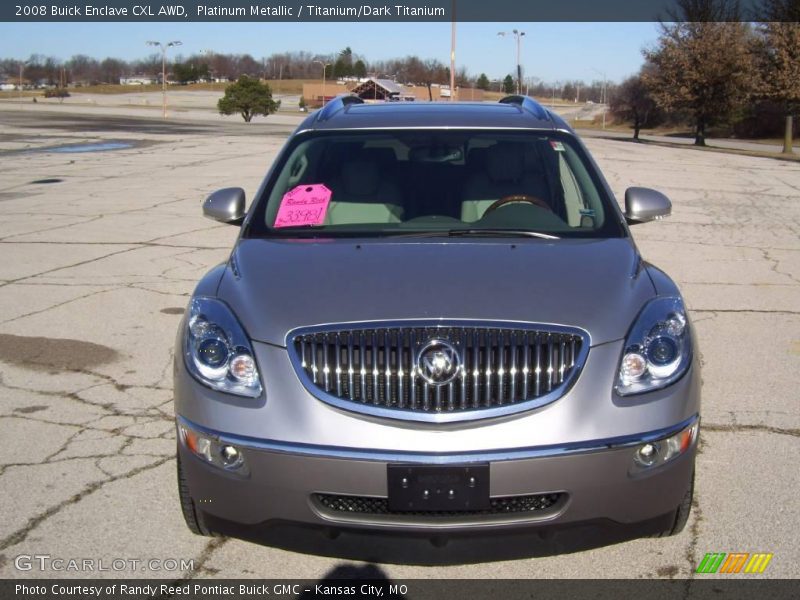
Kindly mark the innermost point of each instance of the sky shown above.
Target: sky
(550, 51)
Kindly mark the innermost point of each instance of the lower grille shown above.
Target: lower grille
(365, 505)
(438, 371)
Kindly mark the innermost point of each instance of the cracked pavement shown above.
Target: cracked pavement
(97, 267)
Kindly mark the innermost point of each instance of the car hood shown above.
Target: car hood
(274, 286)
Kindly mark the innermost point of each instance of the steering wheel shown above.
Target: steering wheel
(514, 198)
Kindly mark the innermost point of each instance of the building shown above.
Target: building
(384, 90)
(138, 80)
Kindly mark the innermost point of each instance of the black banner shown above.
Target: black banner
(362, 11)
(333, 588)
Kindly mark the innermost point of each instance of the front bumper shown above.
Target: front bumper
(284, 482)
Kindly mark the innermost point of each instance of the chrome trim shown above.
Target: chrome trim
(616, 443)
(543, 332)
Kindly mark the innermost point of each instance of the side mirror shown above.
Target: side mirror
(226, 206)
(644, 204)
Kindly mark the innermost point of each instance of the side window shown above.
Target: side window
(584, 206)
(573, 198)
(297, 169)
(292, 175)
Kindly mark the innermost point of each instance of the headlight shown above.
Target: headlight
(217, 351)
(658, 349)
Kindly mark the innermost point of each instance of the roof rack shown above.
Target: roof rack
(527, 103)
(338, 103)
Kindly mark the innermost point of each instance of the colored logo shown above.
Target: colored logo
(735, 562)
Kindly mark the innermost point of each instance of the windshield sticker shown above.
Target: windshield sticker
(303, 205)
(557, 146)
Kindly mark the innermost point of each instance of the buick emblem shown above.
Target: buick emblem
(438, 362)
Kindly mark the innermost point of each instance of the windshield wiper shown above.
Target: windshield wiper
(470, 233)
(309, 232)
(500, 233)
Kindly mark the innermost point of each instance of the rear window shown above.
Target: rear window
(380, 183)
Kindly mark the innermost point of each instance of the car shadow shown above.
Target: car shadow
(441, 548)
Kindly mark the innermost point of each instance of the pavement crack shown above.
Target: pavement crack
(736, 427)
(33, 523)
(200, 564)
(59, 304)
(744, 311)
(77, 264)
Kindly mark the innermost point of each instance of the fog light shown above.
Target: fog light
(212, 451)
(664, 450)
(231, 457)
(647, 455)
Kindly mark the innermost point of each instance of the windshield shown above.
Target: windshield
(435, 182)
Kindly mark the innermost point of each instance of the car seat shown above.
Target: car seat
(506, 172)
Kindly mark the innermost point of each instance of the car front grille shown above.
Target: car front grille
(491, 367)
(367, 505)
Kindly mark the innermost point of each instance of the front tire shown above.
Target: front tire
(191, 514)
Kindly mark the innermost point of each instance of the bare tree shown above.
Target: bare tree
(632, 101)
(778, 61)
(111, 70)
(702, 67)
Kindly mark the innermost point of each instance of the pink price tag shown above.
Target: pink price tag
(303, 205)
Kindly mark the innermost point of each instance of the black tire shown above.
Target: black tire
(191, 514)
(682, 513)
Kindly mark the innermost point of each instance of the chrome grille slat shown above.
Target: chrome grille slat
(501, 350)
(550, 358)
(514, 349)
(538, 370)
(476, 371)
(401, 369)
(375, 371)
(337, 346)
(412, 371)
(387, 360)
(498, 366)
(350, 370)
(326, 375)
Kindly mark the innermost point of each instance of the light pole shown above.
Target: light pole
(324, 68)
(603, 94)
(164, 48)
(518, 36)
(19, 88)
(210, 57)
(453, 53)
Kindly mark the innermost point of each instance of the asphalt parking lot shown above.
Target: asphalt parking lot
(99, 252)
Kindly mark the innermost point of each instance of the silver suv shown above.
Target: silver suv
(435, 322)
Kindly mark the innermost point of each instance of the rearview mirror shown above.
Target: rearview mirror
(645, 204)
(226, 206)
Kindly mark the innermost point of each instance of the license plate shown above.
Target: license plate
(438, 488)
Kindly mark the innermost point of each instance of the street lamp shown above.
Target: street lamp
(209, 54)
(19, 89)
(553, 102)
(603, 94)
(324, 67)
(518, 36)
(164, 48)
(453, 53)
